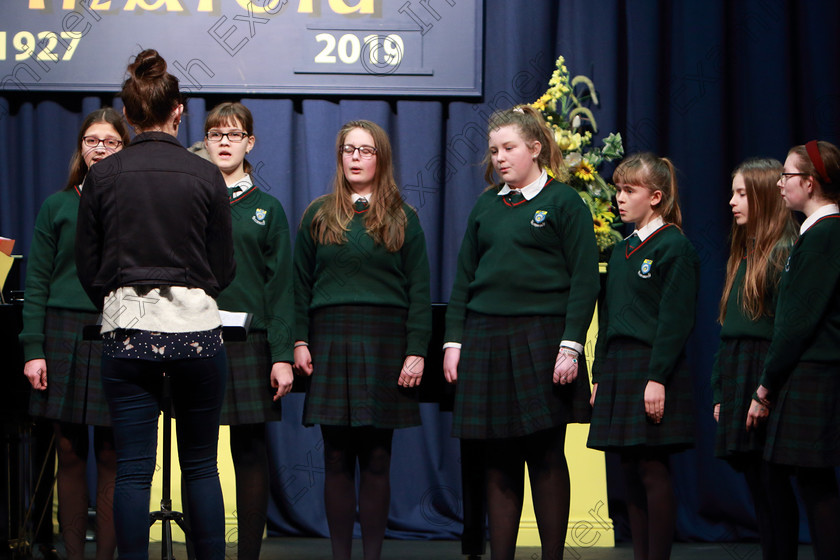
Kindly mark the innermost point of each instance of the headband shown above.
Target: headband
(814, 154)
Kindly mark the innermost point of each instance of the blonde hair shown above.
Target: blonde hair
(385, 220)
(532, 128)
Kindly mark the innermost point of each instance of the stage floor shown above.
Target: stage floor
(319, 549)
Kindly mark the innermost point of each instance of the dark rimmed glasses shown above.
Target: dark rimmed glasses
(784, 176)
(234, 136)
(93, 141)
(365, 152)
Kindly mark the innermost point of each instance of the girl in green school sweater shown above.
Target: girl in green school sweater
(62, 367)
(259, 369)
(763, 233)
(363, 322)
(524, 294)
(642, 395)
(799, 389)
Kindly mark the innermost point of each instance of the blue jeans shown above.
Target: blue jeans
(133, 389)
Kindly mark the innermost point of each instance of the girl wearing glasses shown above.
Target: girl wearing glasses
(763, 233)
(153, 250)
(524, 294)
(363, 325)
(263, 287)
(63, 368)
(642, 395)
(799, 389)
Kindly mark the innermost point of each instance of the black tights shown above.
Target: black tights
(776, 510)
(651, 505)
(71, 443)
(550, 488)
(372, 447)
(250, 461)
(819, 491)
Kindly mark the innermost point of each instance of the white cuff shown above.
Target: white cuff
(572, 345)
(452, 345)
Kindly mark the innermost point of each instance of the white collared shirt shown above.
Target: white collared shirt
(648, 230)
(245, 184)
(820, 212)
(356, 196)
(531, 190)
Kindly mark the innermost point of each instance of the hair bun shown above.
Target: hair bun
(148, 65)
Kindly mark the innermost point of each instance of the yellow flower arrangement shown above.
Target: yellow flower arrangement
(573, 124)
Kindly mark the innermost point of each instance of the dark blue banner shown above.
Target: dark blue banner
(342, 47)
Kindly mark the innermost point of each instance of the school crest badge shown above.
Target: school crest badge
(259, 216)
(644, 270)
(539, 218)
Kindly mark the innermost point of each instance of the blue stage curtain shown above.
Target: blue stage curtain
(706, 83)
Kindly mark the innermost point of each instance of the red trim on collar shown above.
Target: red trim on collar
(78, 192)
(628, 253)
(524, 200)
(244, 195)
(829, 217)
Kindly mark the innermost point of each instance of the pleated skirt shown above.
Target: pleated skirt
(505, 379)
(357, 355)
(618, 417)
(248, 396)
(74, 381)
(741, 361)
(804, 425)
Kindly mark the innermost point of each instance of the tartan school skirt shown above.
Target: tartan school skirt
(618, 417)
(505, 378)
(248, 396)
(357, 355)
(74, 381)
(804, 425)
(741, 362)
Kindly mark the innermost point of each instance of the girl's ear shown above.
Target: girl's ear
(536, 148)
(655, 198)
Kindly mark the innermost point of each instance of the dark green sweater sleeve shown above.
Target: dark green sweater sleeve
(807, 322)
(279, 288)
(676, 312)
(39, 270)
(456, 310)
(416, 269)
(717, 388)
(581, 252)
(601, 340)
(304, 274)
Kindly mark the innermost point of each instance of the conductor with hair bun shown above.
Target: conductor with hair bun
(153, 250)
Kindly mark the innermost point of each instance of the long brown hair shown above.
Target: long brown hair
(532, 128)
(78, 167)
(654, 173)
(385, 220)
(150, 93)
(229, 114)
(765, 241)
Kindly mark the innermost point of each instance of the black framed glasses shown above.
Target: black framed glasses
(234, 136)
(93, 141)
(365, 152)
(784, 176)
